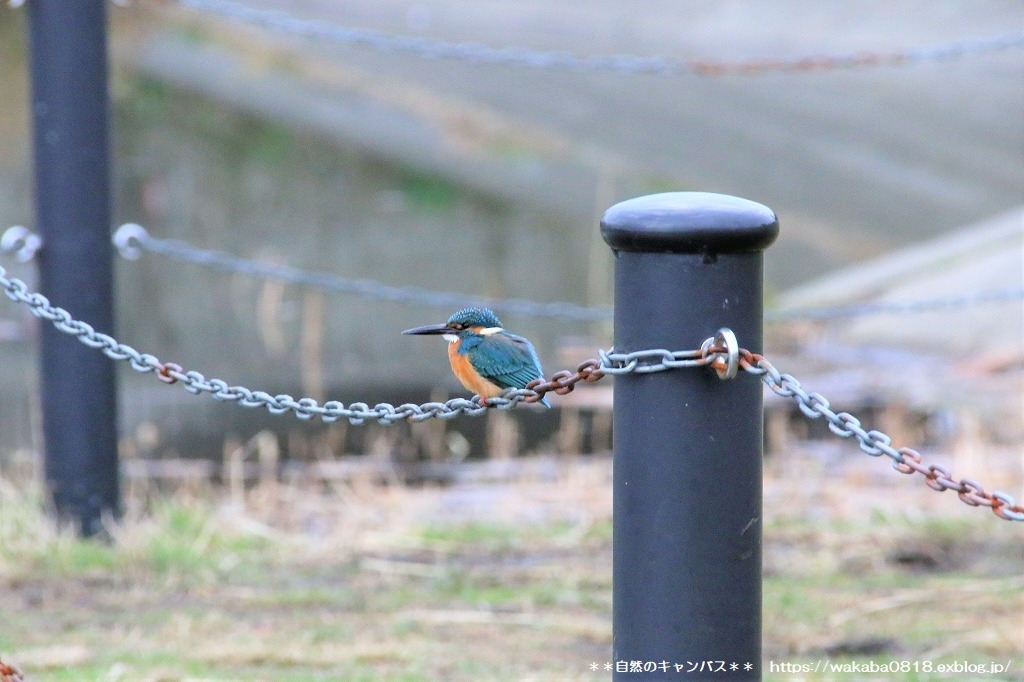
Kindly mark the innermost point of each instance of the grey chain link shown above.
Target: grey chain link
(307, 408)
(195, 382)
(721, 352)
(877, 443)
(566, 61)
(653, 360)
(814, 405)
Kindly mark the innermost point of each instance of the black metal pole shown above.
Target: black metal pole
(688, 445)
(67, 42)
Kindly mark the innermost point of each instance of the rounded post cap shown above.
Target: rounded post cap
(689, 222)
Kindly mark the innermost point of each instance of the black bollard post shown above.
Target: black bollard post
(688, 445)
(67, 42)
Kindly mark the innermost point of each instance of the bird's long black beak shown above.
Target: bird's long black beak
(430, 329)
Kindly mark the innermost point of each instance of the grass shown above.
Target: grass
(303, 585)
(371, 583)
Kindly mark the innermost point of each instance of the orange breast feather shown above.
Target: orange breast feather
(469, 377)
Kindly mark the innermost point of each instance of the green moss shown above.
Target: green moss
(428, 192)
(489, 534)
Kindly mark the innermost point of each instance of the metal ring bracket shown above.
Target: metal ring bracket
(726, 364)
(127, 239)
(21, 241)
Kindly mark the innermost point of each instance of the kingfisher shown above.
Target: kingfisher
(486, 358)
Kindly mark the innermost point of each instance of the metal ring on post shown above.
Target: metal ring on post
(726, 364)
(127, 239)
(22, 241)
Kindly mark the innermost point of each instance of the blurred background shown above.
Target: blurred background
(489, 179)
(894, 289)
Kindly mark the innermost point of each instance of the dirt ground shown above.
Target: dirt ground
(503, 580)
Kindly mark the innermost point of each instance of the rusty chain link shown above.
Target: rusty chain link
(565, 381)
(875, 443)
(722, 353)
(11, 673)
(303, 408)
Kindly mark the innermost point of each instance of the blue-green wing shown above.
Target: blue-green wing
(507, 360)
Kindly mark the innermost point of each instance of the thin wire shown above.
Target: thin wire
(897, 307)
(132, 239)
(561, 60)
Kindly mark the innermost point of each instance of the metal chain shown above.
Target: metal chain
(303, 408)
(10, 673)
(653, 360)
(875, 443)
(566, 61)
(722, 353)
(357, 413)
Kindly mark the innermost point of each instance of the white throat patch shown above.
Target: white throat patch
(450, 338)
